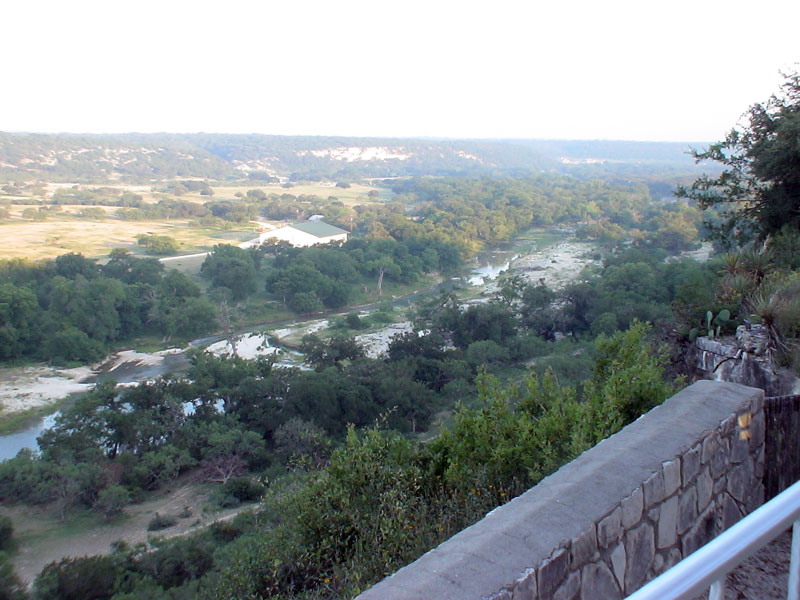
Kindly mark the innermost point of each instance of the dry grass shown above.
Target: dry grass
(61, 234)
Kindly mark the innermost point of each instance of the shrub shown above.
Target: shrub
(243, 489)
(87, 578)
(159, 522)
(6, 532)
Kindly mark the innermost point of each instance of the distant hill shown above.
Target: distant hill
(145, 157)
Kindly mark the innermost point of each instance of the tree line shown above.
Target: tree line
(339, 519)
(73, 309)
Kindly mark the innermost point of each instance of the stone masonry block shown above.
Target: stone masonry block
(632, 507)
(740, 447)
(668, 523)
(691, 463)
(703, 531)
(525, 586)
(618, 562)
(552, 571)
(658, 564)
(719, 485)
(731, 514)
(705, 489)
(640, 551)
(666, 560)
(598, 582)
(609, 529)
(673, 558)
(687, 509)
(570, 588)
(582, 549)
(740, 481)
(653, 489)
(721, 459)
(727, 426)
(710, 447)
(672, 476)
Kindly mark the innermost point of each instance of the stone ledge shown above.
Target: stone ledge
(493, 554)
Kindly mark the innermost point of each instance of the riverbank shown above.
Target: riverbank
(30, 392)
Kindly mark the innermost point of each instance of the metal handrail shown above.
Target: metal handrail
(708, 566)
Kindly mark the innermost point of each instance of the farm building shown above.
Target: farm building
(305, 234)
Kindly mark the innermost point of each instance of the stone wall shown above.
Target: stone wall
(613, 518)
(745, 358)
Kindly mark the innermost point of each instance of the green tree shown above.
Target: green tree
(18, 308)
(758, 191)
(231, 267)
(112, 499)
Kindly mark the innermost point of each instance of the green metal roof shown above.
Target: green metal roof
(317, 228)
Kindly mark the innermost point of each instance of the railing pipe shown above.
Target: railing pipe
(694, 574)
(794, 564)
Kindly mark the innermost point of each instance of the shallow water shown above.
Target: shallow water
(489, 265)
(12, 443)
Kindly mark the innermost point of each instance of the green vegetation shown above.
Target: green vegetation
(757, 191)
(504, 391)
(72, 309)
(159, 245)
(392, 497)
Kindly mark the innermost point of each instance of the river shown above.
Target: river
(132, 367)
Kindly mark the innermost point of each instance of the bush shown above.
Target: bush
(353, 321)
(159, 522)
(11, 588)
(6, 532)
(243, 489)
(87, 578)
(112, 499)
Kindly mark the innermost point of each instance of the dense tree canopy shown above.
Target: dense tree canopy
(72, 309)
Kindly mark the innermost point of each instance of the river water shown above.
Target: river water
(486, 267)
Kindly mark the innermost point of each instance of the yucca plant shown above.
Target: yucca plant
(768, 307)
(731, 265)
(757, 263)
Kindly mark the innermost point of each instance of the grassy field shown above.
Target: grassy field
(356, 194)
(61, 234)
(64, 232)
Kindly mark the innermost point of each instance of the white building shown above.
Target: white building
(309, 233)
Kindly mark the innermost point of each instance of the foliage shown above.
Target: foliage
(72, 309)
(757, 192)
(112, 499)
(159, 522)
(6, 533)
(232, 268)
(87, 578)
(11, 588)
(158, 244)
(243, 489)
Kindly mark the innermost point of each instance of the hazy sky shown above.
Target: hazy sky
(600, 69)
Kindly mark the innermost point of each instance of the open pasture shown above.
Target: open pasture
(61, 234)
